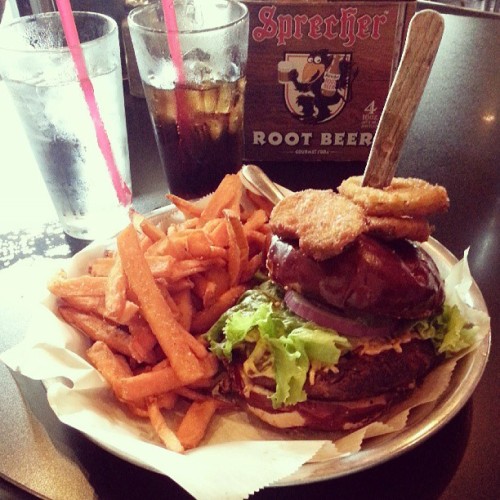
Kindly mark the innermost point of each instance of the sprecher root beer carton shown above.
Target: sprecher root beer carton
(318, 75)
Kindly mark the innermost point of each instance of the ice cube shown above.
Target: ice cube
(163, 104)
(163, 76)
(225, 98)
(233, 72)
(200, 133)
(235, 54)
(242, 83)
(198, 72)
(196, 55)
(235, 120)
(215, 127)
(210, 97)
(194, 101)
(232, 63)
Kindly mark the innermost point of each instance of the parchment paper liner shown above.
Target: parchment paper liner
(240, 455)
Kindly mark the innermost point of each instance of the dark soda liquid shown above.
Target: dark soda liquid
(207, 144)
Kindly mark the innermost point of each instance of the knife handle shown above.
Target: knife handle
(422, 42)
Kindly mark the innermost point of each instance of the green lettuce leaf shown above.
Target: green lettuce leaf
(280, 344)
(260, 323)
(449, 331)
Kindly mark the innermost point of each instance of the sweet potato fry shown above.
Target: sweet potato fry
(101, 266)
(160, 247)
(211, 225)
(115, 295)
(83, 285)
(179, 285)
(144, 384)
(162, 429)
(234, 257)
(174, 246)
(190, 267)
(197, 244)
(198, 348)
(144, 242)
(204, 289)
(172, 305)
(141, 223)
(238, 247)
(191, 394)
(111, 366)
(188, 208)
(200, 246)
(161, 265)
(227, 195)
(159, 365)
(154, 233)
(148, 384)
(95, 305)
(207, 317)
(128, 313)
(139, 407)
(233, 262)
(256, 220)
(86, 304)
(210, 366)
(190, 223)
(97, 329)
(256, 238)
(167, 400)
(252, 267)
(218, 232)
(194, 425)
(185, 307)
(220, 277)
(170, 334)
(142, 342)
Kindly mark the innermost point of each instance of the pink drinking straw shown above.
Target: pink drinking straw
(176, 55)
(68, 23)
(173, 38)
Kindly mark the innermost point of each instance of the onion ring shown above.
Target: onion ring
(393, 228)
(408, 197)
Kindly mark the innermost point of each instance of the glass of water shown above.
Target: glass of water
(40, 74)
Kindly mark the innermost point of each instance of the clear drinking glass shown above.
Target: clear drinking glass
(40, 74)
(197, 109)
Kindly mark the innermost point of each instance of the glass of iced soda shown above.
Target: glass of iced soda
(40, 74)
(195, 93)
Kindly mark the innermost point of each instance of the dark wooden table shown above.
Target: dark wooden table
(454, 141)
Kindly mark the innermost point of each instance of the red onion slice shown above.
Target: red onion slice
(348, 327)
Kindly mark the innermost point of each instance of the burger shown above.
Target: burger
(350, 314)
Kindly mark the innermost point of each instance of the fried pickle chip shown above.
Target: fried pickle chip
(392, 228)
(404, 197)
(322, 221)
